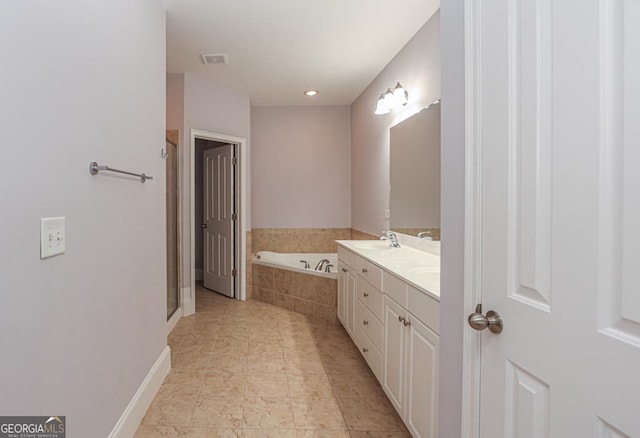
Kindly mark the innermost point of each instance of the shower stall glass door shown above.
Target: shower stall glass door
(173, 290)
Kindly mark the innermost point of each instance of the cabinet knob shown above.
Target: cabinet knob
(365, 295)
(406, 323)
(364, 350)
(400, 318)
(365, 322)
(364, 270)
(344, 270)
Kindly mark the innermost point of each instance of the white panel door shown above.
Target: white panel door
(554, 98)
(218, 220)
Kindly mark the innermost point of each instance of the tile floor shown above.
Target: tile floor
(250, 369)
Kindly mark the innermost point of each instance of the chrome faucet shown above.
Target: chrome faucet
(328, 268)
(426, 235)
(321, 263)
(306, 264)
(391, 237)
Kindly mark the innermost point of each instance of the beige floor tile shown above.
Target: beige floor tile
(379, 434)
(268, 433)
(322, 434)
(146, 431)
(218, 412)
(317, 413)
(181, 385)
(301, 363)
(355, 386)
(220, 385)
(265, 362)
(267, 413)
(260, 384)
(269, 345)
(170, 412)
(228, 345)
(315, 385)
(369, 414)
(193, 360)
(230, 363)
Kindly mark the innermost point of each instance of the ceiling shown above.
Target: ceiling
(277, 49)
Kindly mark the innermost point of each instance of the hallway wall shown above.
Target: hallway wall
(81, 82)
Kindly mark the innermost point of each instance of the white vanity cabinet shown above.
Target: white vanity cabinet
(395, 326)
(346, 297)
(411, 349)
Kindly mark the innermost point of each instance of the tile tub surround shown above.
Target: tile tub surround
(318, 240)
(303, 293)
(250, 369)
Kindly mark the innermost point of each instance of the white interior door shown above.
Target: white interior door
(218, 223)
(554, 97)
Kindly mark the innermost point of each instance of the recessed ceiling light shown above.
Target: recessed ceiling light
(311, 92)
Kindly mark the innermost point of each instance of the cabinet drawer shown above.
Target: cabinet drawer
(347, 257)
(425, 308)
(370, 325)
(371, 298)
(370, 353)
(395, 288)
(370, 272)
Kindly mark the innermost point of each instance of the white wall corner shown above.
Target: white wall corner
(188, 304)
(134, 413)
(173, 321)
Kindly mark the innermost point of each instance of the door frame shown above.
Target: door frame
(241, 199)
(471, 351)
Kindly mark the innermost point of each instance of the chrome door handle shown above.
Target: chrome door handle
(493, 320)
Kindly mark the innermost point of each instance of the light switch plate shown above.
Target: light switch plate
(52, 236)
(387, 213)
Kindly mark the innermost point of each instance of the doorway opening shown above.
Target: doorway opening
(171, 155)
(218, 214)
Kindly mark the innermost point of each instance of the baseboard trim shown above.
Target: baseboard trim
(171, 323)
(188, 303)
(134, 413)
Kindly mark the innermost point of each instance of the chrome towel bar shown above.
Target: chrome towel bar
(94, 168)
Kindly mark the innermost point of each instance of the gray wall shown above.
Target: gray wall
(81, 81)
(204, 105)
(417, 67)
(301, 172)
(452, 277)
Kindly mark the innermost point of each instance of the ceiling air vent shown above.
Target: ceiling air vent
(215, 58)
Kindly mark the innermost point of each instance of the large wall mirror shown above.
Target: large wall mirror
(415, 174)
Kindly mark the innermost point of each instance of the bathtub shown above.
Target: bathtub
(291, 262)
(281, 279)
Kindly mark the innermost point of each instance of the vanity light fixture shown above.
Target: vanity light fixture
(311, 92)
(382, 107)
(392, 99)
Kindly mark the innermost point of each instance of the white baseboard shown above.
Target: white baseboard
(134, 413)
(171, 323)
(188, 303)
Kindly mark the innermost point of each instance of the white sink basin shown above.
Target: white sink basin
(425, 270)
(371, 245)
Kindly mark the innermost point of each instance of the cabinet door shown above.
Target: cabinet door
(394, 353)
(342, 294)
(421, 406)
(350, 308)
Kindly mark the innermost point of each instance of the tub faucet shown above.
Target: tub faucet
(321, 263)
(306, 264)
(391, 237)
